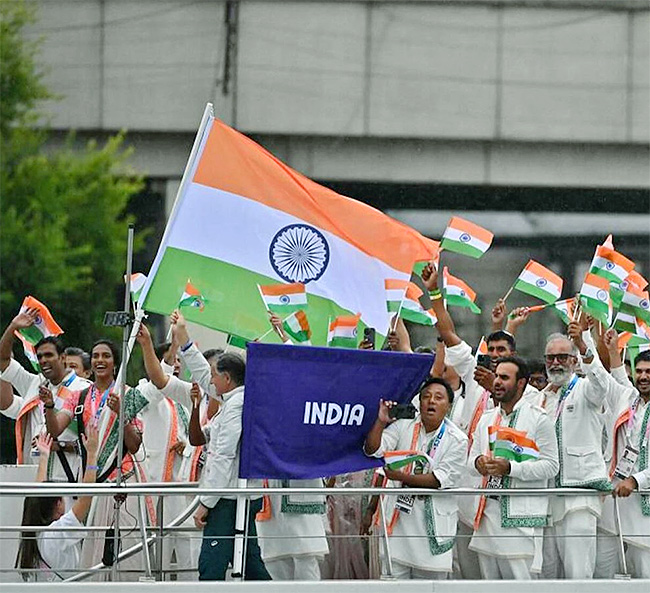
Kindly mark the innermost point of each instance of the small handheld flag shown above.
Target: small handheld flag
(297, 327)
(284, 298)
(398, 459)
(191, 297)
(403, 298)
(595, 298)
(610, 264)
(457, 293)
(466, 238)
(138, 281)
(540, 282)
(30, 351)
(342, 332)
(43, 326)
(508, 443)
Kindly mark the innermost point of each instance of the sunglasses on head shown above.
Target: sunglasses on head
(563, 357)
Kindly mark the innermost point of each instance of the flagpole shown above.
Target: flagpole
(329, 322)
(399, 310)
(505, 298)
(208, 113)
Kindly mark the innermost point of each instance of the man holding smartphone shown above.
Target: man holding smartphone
(414, 520)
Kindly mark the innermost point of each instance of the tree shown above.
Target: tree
(63, 214)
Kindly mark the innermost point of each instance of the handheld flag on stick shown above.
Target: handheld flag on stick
(138, 281)
(237, 342)
(191, 297)
(466, 238)
(297, 327)
(284, 298)
(508, 443)
(540, 282)
(398, 459)
(30, 352)
(403, 298)
(563, 309)
(595, 298)
(482, 348)
(636, 303)
(457, 293)
(43, 326)
(342, 332)
(611, 265)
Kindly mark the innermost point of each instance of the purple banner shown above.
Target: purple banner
(307, 410)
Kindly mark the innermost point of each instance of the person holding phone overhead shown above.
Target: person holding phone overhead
(436, 459)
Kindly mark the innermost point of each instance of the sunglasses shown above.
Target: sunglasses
(559, 357)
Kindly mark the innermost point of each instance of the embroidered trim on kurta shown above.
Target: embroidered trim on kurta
(301, 508)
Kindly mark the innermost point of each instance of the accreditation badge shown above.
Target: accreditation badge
(494, 482)
(405, 503)
(626, 463)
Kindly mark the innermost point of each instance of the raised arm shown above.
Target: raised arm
(91, 442)
(44, 446)
(445, 325)
(498, 315)
(516, 319)
(373, 440)
(195, 434)
(6, 395)
(151, 363)
(195, 362)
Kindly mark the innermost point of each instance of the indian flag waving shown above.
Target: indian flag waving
(30, 352)
(540, 282)
(512, 444)
(399, 459)
(610, 264)
(457, 293)
(191, 297)
(466, 238)
(563, 309)
(403, 297)
(595, 298)
(636, 303)
(138, 280)
(297, 327)
(44, 325)
(342, 331)
(284, 298)
(242, 218)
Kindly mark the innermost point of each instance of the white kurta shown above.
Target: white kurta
(424, 538)
(296, 525)
(27, 385)
(511, 527)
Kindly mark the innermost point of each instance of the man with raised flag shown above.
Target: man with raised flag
(478, 382)
(576, 406)
(514, 447)
(27, 408)
(422, 528)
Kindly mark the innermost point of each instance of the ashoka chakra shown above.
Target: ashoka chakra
(299, 253)
(541, 282)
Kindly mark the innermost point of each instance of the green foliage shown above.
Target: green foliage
(63, 223)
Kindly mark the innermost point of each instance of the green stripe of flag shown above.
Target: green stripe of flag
(459, 247)
(234, 306)
(459, 301)
(535, 291)
(416, 316)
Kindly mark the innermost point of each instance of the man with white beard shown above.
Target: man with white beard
(577, 407)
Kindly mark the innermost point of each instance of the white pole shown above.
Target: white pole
(240, 523)
(208, 113)
(621, 547)
(389, 560)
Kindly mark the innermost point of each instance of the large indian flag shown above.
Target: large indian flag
(243, 218)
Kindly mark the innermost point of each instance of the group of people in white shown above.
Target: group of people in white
(588, 420)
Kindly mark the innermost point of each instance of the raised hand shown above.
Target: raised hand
(430, 276)
(498, 314)
(276, 322)
(384, 408)
(91, 438)
(516, 318)
(45, 395)
(484, 377)
(574, 332)
(195, 394)
(143, 336)
(44, 443)
(25, 319)
(610, 339)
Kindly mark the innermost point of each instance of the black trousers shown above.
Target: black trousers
(219, 543)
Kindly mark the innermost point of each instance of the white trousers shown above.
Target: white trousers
(401, 572)
(608, 561)
(294, 568)
(466, 564)
(496, 568)
(570, 547)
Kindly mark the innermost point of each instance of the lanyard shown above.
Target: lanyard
(566, 390)
(435, 442)
(96, 410)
